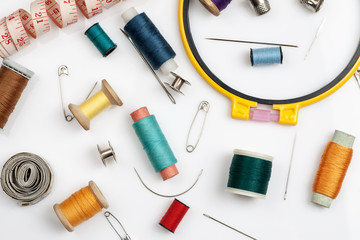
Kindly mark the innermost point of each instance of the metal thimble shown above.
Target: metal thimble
(260, 6)
(313, 5)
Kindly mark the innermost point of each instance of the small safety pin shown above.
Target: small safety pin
(108, 214)
(204, 106)
(150, 68)
(63, 70)
(357, 77)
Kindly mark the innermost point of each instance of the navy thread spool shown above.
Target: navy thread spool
(149, 41)
(266, 56)
(249, 174)
(100, 39)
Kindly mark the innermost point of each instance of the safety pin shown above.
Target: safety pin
(357, 77)
(63, 70)
(108, 214)
(151, 69)
(204, 106)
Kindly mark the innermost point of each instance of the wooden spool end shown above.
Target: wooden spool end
(98, 195)
(110, 93)
(209, 5)
(80, 116)
(62, 218)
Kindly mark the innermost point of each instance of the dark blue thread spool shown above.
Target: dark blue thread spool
(266, 56)
(148, 39)
(100, 39)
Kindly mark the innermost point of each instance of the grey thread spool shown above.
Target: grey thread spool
(107, 153)
(313, 5)
(260, 6)
(26, 178)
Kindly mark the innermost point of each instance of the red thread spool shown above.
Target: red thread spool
(174, 215)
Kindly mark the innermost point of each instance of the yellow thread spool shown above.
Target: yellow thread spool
(80, 206)
(95, 105)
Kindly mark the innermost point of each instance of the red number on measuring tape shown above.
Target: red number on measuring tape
(21, 41)
(56, 11)
(6, 35)
(38, 14)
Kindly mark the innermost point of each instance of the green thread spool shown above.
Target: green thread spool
(154, 143)
(100, 39)
(249, 174)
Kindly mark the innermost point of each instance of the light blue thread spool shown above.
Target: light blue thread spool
(100, 39)
(154, 143)
(266, 56)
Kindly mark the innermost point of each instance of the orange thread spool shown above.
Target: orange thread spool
(81, 206)
(333, 167)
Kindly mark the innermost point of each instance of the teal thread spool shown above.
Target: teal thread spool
(100, 39)
(154, 143)
(266, 56)
(250, 174)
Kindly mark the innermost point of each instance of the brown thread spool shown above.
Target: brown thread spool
(81, 206)
(13, 80)
(332, 170)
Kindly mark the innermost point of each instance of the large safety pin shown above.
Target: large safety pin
(63, 70)
(108, 214)
(204, 106)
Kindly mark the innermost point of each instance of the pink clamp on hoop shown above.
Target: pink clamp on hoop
(262, 115)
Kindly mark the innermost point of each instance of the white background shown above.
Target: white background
(38, 126)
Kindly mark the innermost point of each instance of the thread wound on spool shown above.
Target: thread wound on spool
(249, 174)
(154, 143)
(174, 215)
(332, 170)
(100, 39)
(149, 40)
(266, 56)
(95, 105)
(215, 6)
(13, 80)
(80, 206)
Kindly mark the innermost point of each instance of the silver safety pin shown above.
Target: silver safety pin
(151, 69)
(63, 70)
(108, 214)
(204, 106)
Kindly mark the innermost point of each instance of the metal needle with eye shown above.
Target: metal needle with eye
(63, 70)
(151, 69)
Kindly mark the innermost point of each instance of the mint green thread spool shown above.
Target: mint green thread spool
(249, 174)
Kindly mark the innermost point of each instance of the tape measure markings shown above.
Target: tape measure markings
(16, 28)
(6, 41)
